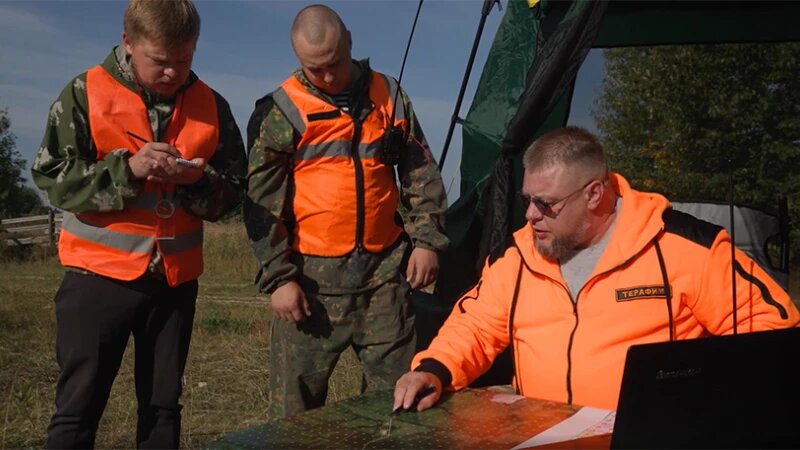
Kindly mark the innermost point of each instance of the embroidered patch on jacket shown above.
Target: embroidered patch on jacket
(640, 292)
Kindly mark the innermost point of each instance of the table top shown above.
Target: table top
(472, 418)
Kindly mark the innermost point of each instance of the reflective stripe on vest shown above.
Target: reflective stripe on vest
(325, 194)
(119, 244)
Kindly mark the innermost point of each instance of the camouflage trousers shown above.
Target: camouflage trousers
(378, 324)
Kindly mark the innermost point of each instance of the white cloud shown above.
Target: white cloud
(13, 20)
(33, 48)
(38, 60)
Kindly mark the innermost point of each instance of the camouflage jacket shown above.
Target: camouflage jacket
(271, 141)
(66, 167)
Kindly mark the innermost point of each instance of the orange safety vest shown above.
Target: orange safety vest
(119, 244)
(344, 196)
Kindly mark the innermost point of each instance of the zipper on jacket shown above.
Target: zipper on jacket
(359, 172)
(511, 313)
(571, 335)
(575, 328)
(569, 348)
(575, 311)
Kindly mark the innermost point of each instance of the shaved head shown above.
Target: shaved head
(322, 45)
(316, 25)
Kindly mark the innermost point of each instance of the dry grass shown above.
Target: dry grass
(226, 374)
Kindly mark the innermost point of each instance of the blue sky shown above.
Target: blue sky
(244, 53)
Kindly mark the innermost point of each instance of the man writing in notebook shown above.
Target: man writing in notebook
(598, 267)
(132, 237)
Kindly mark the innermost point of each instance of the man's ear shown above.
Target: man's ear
(595, 194)
(126, 43)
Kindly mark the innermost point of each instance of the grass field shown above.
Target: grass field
(226, 374)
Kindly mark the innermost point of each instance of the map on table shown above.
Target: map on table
(472, 418)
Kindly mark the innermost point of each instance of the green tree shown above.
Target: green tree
(15, 198)
(679, 119)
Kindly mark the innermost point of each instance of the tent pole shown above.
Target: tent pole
(486, 9)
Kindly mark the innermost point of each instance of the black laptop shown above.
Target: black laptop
(738, 391)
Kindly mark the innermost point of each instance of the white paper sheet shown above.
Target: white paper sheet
(507, 398)
(584, 423)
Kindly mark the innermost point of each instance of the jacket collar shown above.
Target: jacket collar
(640, 220)
(357, 86)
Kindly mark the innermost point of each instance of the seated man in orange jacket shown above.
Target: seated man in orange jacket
(598, 267)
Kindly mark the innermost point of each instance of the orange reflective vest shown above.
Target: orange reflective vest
(119, 244)
(343, 195)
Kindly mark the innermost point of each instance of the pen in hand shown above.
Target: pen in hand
(137, 137)
(179, 160)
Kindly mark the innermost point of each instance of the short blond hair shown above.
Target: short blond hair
(166, 22)
(569, 146)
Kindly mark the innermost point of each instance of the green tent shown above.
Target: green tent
(525, 90)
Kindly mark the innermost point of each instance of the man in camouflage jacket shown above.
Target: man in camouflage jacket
(325, 304)
(102, 190)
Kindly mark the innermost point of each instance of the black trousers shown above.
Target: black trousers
(95, 316)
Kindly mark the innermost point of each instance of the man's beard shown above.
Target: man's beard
(562, 248)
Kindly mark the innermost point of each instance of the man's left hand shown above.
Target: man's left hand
(423, 267)
(170, 171)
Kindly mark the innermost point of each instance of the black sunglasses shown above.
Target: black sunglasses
(546, 208)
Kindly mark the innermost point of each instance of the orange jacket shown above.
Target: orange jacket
(575, 352)
(343, 195)
(119, 244)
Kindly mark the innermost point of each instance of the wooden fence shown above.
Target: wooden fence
(33, 230)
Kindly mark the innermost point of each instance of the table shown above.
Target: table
(472, 418)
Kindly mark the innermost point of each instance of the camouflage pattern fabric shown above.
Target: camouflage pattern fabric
(67, 170)
(271, 143)
(360, 299)
(378, 324)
